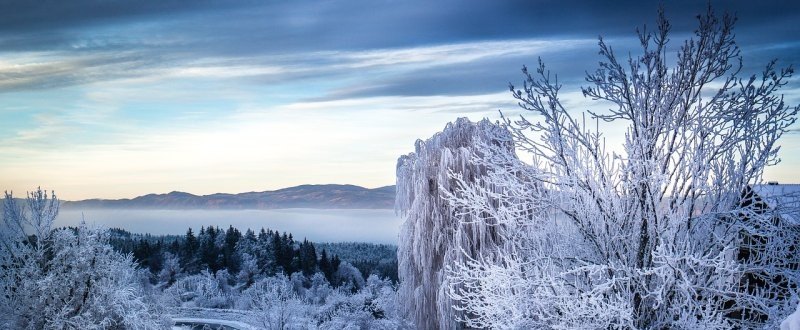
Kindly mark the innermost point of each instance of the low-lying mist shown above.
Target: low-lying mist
(319, 225)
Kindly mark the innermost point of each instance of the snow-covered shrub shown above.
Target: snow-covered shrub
(319, 291)
(373, 307)
(249, 272)
(349, 275)
(382, 298)
(65, 278)
(170, 271)
(274, 304)
(299, 282)
(201, 290)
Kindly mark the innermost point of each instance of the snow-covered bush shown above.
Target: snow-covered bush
(249, 272)
(201, 290)
(65, 278)
(170, 271)
(349, 275)
(383, 303)
(319, 291)
(275, 304)
(342, 311)
(370, 308)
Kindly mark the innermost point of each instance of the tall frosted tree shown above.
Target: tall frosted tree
(435, 236)
(662, 233)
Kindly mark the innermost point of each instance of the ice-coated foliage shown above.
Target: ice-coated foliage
(372, 307)
(665, 233)
(249, 272)
(435, 235)
(279, 303)
(204, 290)
(170, 270)
(349, 275)
(65, 278)
(275, 303)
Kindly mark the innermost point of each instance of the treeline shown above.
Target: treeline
(380, 259)
(252, 254)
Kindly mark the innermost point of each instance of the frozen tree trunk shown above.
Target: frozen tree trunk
(435, 236)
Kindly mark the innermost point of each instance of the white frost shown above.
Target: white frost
(433, 238)
(792, 322)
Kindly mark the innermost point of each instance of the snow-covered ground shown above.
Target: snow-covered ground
(192, 323)
(189, 318)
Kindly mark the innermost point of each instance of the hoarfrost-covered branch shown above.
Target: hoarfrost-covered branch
(668, 233)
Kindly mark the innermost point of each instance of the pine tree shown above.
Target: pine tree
(325, 265)
(335, 262)
(209, 253)
(230, 258)
(190, 255)
(307, 258)
(278, 251)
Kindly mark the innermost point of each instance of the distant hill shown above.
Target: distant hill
(327, 196)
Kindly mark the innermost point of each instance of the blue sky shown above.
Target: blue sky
(117, 99)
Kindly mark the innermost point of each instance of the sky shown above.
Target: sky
(116, 99)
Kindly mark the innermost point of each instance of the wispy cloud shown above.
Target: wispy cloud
(116, 98)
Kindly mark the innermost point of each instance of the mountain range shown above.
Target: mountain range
(326, 196)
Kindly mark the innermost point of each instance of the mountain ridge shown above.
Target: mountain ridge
(319, 196)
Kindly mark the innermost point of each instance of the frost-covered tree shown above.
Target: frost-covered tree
(434, 235)
(349, 275)
(275, 304)
(65, 278)
(319, 290)
(382, 299)
(372, 307)
(249, 272)
(200, 290)
(660, 233)
(170, 271)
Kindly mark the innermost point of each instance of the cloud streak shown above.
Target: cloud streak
(128, 97)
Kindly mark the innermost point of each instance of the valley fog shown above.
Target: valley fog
(319, 225)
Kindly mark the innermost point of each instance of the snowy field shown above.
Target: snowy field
(319, 225)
